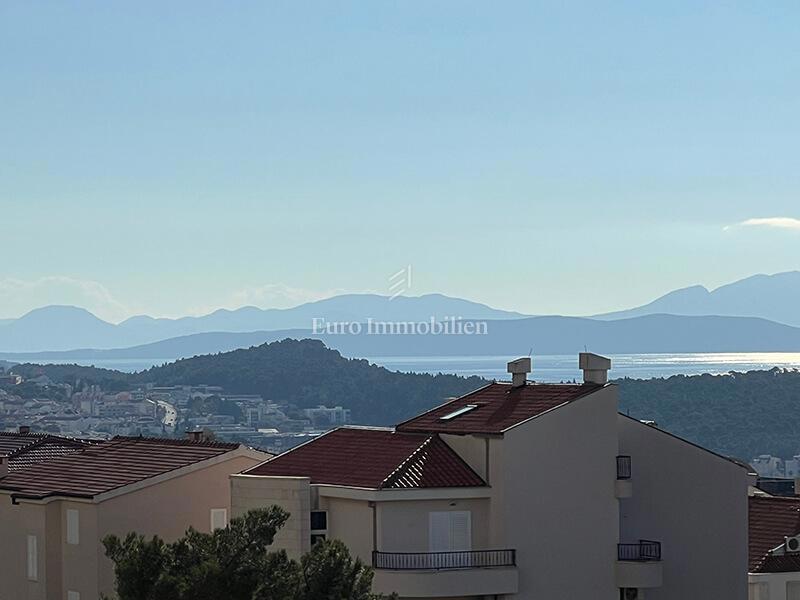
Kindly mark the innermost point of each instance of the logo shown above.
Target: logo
(400, 282)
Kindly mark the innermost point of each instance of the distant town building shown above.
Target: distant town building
(322, 415)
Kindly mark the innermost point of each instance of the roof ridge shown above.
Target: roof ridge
(395, 473)
(175, 441)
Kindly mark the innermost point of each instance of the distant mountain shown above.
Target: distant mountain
(772, 297)
(545, 335)
(60, 327)
(55, 328)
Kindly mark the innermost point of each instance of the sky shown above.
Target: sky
(546, 157)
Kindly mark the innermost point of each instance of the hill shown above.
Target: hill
(772, 297)
(653, 334)
(58, 328)
(741, 414)
(304, 373)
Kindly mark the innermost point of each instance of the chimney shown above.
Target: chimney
(3, 465)
(195, 436)
(595, 368)
(24, 429)
(519, 370)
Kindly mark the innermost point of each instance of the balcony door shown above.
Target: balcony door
(450, 531)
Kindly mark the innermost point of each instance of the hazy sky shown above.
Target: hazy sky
(172, 158)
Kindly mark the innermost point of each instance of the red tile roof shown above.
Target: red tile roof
(108, 466)
(770, 520)
(778, 563)
(26, 449)
(499, 406)
(374, 459)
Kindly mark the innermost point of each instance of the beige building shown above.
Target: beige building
(518, 490)
(53, 515)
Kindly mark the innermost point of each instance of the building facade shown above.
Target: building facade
(54, 515)
(518, 490)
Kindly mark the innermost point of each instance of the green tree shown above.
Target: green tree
(234, 563)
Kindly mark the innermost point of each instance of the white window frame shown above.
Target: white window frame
(215, 514)
(33, 558)
(73, 526)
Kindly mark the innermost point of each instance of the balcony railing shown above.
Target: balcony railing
(643, 550)
(417, 561)
(623, 467)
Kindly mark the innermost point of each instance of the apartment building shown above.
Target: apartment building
(54, 514)
(774, 547)
(518, 490)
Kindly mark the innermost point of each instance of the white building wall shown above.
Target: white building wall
(695, 504)
(554, 499)
(774, 586)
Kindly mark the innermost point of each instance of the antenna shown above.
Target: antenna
(531, 352)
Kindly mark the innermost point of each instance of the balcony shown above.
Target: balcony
(643, 550)
(446, 574)
(416, 561)
(624, 485)
(639, 565)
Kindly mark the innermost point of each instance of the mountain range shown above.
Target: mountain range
(773, 297)
(651, 334)
(755, 314)
(54, 328)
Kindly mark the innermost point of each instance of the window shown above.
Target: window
(73, 527)
(33, 558)
(219, 518)
(319, 520)
(73, 595)
(317, 537)
(459, 412)
(450, 531)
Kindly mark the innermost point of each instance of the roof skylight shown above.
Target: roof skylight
(458, 412)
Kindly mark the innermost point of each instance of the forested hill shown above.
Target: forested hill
(305, 373)
(741, 414)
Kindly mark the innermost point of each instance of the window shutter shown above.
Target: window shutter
(450, 531)
(73, 527)
(439, 531)
(33, 558)
(219, 518)
(460, 531)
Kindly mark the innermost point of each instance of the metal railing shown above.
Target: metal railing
(643, 550)
(623, 467)
(416, 561)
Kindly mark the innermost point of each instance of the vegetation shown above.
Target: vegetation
(304, 373)
(234, 563)
(214, 405)
(740, 415)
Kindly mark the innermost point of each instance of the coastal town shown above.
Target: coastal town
(89, 411)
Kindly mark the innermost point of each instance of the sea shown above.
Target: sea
(549, 369)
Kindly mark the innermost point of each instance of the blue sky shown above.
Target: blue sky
(548, 157)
